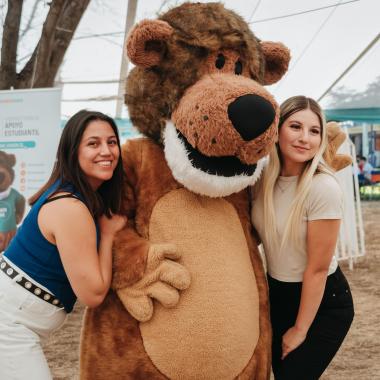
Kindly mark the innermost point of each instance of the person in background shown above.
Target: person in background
(366, 171)
(63, 249)
(297, 208)
(359, 162)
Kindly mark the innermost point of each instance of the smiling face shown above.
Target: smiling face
(98, 152)
(299, 141)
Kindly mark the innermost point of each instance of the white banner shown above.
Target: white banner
(351, 236)
(30, 130)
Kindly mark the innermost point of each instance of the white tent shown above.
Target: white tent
(324, 36)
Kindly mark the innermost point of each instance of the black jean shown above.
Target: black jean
(326, 334)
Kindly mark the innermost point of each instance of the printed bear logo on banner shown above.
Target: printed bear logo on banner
(12, 203)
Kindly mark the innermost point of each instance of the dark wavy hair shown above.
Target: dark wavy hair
(107, 198)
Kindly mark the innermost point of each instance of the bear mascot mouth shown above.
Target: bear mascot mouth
(226, 166)
(214, 176)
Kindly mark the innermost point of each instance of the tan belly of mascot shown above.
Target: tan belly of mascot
(213, 332)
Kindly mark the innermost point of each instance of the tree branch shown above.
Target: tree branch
(41, 51)
(9, 44)
(57, 32)
(67, 25)
(30, 20)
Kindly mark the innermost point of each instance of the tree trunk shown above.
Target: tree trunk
(57, 32)
(9, 44)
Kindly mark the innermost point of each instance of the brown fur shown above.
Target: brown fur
(119, 353)
(277, 59)
(198, 118)
(177, 79)
(158, 30)
(335, 137)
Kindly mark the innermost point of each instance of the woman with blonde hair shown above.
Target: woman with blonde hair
(297, 211)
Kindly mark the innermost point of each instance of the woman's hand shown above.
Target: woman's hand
(109, 226)
(293, 338)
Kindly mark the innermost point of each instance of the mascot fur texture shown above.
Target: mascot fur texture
(189, 296)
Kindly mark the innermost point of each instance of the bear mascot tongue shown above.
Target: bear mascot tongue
(189, 297)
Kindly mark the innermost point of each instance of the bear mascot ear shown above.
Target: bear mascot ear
(7, 159)
(146, 42)
(335, 137)
(277, 57)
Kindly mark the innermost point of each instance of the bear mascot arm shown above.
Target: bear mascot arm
(135, 257)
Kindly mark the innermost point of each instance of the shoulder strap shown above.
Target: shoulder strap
(61, 196)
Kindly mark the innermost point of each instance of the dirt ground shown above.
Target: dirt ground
(359, 355)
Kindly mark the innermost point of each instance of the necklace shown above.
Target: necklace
(283, 186)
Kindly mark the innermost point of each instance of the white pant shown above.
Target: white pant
(24, 319)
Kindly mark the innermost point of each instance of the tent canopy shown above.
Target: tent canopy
(359, 115)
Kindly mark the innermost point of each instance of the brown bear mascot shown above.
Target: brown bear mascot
(189, 297)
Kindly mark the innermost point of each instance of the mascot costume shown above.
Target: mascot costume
(12, 203)
(189, 295)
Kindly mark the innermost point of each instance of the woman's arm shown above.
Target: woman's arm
(322, 236)
(68, 224)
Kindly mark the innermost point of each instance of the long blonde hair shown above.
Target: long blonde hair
(272, 172)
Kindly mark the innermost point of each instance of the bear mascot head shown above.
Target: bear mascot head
(198, 89)
(189, 297)
(12, 203)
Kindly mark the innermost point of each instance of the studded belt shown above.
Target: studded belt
(28, 285)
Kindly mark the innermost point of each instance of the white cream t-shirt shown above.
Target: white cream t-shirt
(325, 201)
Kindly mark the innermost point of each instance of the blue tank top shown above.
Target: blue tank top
(39, 258)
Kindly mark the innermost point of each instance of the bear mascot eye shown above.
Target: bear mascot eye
(238, 67)
(220, 61)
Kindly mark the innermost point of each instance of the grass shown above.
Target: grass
(370, 192)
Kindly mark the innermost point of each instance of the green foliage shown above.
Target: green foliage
(370, 192)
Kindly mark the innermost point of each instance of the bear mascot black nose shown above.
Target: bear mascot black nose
(251, 115)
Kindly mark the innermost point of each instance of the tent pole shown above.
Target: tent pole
(131, 15)
(356, 60)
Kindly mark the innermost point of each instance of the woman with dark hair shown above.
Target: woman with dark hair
(63, 250)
